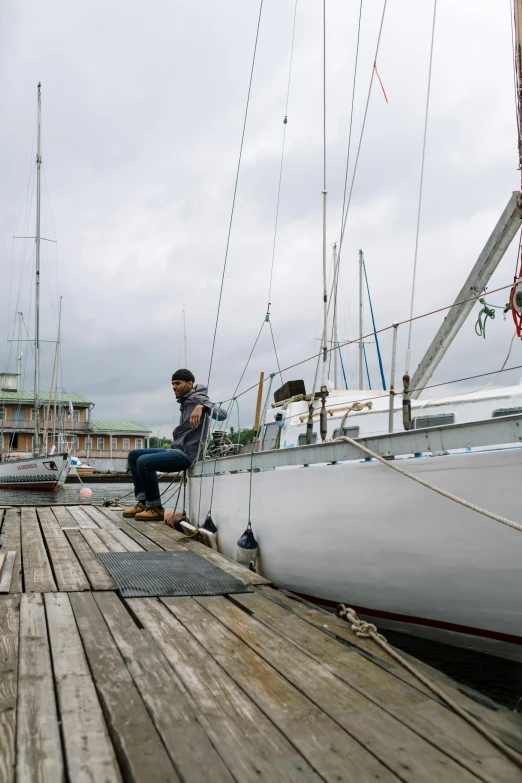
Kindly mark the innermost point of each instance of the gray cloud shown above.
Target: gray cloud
(143, 109)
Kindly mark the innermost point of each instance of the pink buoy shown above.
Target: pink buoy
(86, 491)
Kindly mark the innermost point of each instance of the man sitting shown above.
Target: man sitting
(195, 410)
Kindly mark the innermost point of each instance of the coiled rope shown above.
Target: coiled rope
(365, 630)
(472, 506)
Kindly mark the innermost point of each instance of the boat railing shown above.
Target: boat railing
(503, 431)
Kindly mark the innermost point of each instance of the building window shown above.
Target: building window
(114, 444)
(496, 414)
(76, 416)
(126, 444)
(3, 415)
(138, 443)
(75, 443)
(350, 432)
(100, 443)
(301, 441)
(437, 420)
(88, 443)
(32, 414)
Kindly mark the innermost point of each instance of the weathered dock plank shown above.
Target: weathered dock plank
(411, 756)
(246, 687)
(9, 634)
(173, 712)
(96, 573)
(86, 739)
(495, 717)
(82, 519)
(38, 575)
(117, 521)
(425, 715)
(139, 748)
(38, 743)
(64, 517)
(11, 540)
(250, 744)
(67, 569)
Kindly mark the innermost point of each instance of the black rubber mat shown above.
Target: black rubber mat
(168, 573)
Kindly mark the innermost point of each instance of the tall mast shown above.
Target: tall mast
(334, 330)
(37, 284)
(361, 320)
(19, 359)
(325, 295)
(518, 65)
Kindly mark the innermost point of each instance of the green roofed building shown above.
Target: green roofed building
(64, 415)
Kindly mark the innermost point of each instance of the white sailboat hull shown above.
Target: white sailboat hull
(36, 473)
(359, 534)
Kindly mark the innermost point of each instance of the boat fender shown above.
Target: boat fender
(209, 532)
(177, 522)
(247, 550)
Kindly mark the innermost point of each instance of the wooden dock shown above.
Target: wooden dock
(245, 687)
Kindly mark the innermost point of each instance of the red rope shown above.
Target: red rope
(517, 317)
(380, 82)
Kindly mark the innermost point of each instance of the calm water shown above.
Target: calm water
(498, 679)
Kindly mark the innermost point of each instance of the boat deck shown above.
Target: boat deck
(241, 687)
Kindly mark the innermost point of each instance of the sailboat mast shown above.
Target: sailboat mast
(335, 346)
(361, 320)
(518, 65)
(37, 283)
(325, 295)
(19, 359)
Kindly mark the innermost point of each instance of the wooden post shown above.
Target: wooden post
(258, 406)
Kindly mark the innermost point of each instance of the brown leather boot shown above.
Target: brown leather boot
(138, 508)
(151, 514)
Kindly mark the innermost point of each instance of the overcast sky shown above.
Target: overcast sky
(143, 106)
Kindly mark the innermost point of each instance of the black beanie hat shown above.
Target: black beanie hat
(183, 375)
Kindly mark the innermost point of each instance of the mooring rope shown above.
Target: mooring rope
(472, 506)
(365, 630)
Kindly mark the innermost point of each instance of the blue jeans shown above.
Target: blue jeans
(144, 463)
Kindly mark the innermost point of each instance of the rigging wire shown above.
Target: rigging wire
(381, 368)
(351, 110)
(275, 351)
(380, 331)
(285, 122)
(276, 223)
(345, 217)
(234, 196)
(419, 207)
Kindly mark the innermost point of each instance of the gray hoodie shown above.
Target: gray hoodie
(185, 438)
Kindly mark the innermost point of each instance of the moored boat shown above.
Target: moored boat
(35, 472)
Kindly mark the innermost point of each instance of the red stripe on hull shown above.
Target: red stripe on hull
(48, 486)
(406, 618)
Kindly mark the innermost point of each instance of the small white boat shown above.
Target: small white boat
(79, 468)
(36, 472)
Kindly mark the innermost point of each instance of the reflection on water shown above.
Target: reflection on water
(494, 677)
(70, 494)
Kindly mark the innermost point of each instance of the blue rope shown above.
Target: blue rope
(375, 330)
(367, 370)
(342, 366)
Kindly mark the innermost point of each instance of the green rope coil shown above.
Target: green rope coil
(487, 311)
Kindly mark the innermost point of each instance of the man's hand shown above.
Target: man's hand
(195, 416)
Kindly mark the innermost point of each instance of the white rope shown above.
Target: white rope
(366, 630)
(408, 352)
(439, 490)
